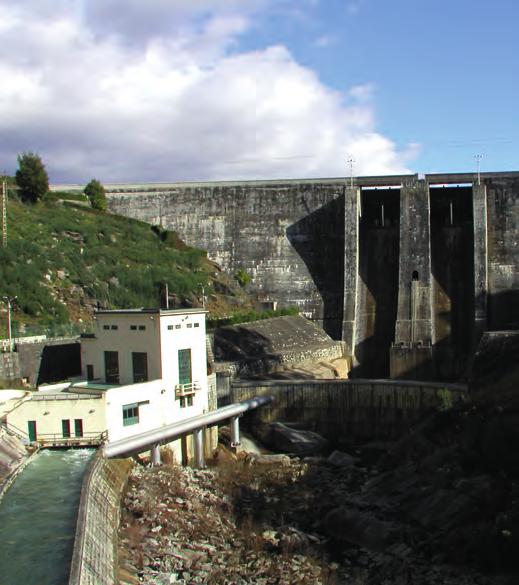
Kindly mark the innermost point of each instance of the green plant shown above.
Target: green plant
(96, 195)
(31, 177)
(445, 399)
(242, 277)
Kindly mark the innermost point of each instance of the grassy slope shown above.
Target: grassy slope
(62, 259)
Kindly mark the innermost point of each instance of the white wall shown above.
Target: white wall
(49, 413)
(188, 331)
(124, 340)
(161, 408)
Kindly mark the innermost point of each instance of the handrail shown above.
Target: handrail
(8, 426)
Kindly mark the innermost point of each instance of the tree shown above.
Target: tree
(31, 177)
(96, 194)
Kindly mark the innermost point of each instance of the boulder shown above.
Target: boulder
(361, 529)
(282, 438)
(341, 459)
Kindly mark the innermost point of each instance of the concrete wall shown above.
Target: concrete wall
(94, 560)
(274, 231)
(352, 410)
(304, 245)
(51, 360)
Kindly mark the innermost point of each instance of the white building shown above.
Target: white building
(142, 369)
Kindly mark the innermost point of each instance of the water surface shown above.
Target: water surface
(38, 519)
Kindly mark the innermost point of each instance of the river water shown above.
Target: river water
(38, 519)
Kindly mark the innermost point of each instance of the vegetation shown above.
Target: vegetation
(64, 260)
(243, 278)
(31, 177)
(96, 195)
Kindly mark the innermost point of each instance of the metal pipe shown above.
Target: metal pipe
(155, 455)
(235, 432)
(143, 441)
(198, 442)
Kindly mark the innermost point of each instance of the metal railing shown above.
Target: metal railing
(58, 440)
(14, 431)
(182, 390)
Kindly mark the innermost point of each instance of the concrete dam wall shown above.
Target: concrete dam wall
(406, 270)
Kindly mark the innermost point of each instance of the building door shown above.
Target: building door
(78, 427)
(65, 427)
(112, 367)
(140, 366)
(184, 366)
(31, 424)
(90, 372)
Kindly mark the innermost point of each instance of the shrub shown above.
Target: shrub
(96, 195)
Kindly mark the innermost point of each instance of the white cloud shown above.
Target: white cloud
(114, 90)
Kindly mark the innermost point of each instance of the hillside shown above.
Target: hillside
(64, 259)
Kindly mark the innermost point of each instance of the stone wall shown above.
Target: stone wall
(94, 561)
(272, 363)
(350, 410)
(9, 366)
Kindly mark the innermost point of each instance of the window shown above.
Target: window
(78, 427)
(130, 414)
(189, 325)
(114, 327)
(197, 324)
(142, 327)
(170, 327)
(184, 366)
(186, 401)
(133, 327)
(106, 327)
(140, 367)
(90, 372)
(65, 427)
(178, 326)
(112, 367)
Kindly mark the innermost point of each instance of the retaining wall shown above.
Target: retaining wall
(350, 410)
(94, 561)
(9, 366)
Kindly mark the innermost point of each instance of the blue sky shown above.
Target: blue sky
(125, 90)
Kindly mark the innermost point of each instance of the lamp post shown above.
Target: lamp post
(9, 301)
(203, 294)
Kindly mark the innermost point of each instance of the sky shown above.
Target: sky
(199, 90)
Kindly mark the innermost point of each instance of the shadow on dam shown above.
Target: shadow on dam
(379, 245)
(318, 238)
(452, 265)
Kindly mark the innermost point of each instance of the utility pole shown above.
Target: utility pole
(9, 301)
(350, 161)
(478, 158)
(4, 212)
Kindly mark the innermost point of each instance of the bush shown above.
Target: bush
(96, 195)
(243, 278)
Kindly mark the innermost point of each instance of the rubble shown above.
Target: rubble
(293, 520)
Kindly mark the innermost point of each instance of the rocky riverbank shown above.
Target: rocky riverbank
(310, 521)
(438, 507)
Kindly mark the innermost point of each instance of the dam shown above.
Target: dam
(406, 270)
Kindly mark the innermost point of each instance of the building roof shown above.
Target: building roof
(153, 311)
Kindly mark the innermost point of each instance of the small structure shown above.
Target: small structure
(142, 369)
